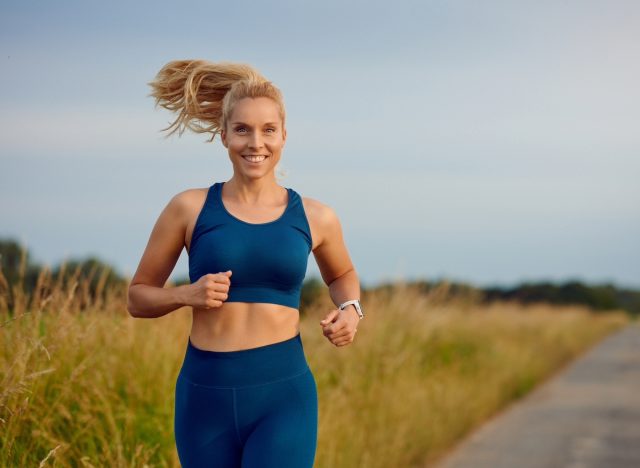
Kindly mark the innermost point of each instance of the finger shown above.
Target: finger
(211, 303)
(344, 342)
(340, 333)
(219, 287)
(337, 325)
(330, 317)
(214, 286)
(212, 282)
(334, 328)
(215, 299)
(222, 296)
(326, 321)
(222, 278)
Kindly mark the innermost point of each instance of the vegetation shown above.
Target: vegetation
(599, 297)
(85, 384)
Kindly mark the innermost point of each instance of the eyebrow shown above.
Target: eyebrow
(243, 123)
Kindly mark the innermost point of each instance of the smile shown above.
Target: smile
(255, 159)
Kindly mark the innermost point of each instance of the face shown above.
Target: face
(254, 136)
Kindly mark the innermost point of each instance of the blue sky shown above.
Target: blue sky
(489, 142)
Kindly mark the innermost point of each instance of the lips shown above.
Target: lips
(255, 159)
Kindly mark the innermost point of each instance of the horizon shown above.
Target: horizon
(432, 280)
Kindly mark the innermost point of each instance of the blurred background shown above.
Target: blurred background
(486, 142)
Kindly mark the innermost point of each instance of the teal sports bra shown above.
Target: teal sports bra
(268, 260)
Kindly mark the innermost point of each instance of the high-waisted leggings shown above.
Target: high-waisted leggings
(249, 408)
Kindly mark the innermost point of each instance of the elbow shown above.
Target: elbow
(130, 304)
(131, 310)
(347, 274)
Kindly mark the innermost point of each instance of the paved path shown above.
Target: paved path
(587, 416)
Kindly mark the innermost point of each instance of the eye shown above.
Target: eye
(270, 130)
(241, 129)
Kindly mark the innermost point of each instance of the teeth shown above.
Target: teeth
(255, 158)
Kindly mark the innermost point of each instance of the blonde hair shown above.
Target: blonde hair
(204, 93)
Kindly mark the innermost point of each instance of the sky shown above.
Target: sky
(489, 142)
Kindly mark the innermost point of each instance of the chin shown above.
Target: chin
(257, 175)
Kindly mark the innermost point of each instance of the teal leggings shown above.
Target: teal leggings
(250, 408)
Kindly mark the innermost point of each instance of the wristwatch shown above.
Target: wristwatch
(356, 304)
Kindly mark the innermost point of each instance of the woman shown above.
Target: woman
(245, 395)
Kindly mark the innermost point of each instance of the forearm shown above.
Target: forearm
(146, 301)
(345, 288)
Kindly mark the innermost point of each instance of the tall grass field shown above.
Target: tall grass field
(82, 383)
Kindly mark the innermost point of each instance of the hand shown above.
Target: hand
(210, 291)
(340, 326)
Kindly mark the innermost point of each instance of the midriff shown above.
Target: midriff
(242, 325)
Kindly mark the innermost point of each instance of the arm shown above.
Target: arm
(339, 274)
(147, 296)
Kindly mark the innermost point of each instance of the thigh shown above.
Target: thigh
(285, 436)
(204, 426)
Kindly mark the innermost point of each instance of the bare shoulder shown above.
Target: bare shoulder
(188, 201)
(329, 247)
(322, 218)
(167, 238)
(189, 196)
(183, 208)
(319, 212)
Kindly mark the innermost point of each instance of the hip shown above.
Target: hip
(259, 365)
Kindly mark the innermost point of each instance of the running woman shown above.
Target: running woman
(245, 395)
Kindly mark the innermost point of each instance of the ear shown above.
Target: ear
(223, 137)
(284, 135)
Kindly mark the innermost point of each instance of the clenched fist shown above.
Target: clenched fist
(210, 291)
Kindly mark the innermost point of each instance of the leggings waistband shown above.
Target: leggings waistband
(244, 367)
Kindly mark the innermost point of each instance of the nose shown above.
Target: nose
(256, 140)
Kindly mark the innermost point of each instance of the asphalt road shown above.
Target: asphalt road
(587, 416)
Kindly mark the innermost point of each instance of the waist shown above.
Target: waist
(232, 323)
(245, 367)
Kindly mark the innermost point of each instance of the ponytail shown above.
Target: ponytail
(203, 93)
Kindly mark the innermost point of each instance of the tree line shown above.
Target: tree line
(19, 271)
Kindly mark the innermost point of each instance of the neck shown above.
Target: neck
(254, 191)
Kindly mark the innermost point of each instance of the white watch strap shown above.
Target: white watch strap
(356, 303)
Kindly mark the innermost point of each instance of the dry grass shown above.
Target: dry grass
(85, 384)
